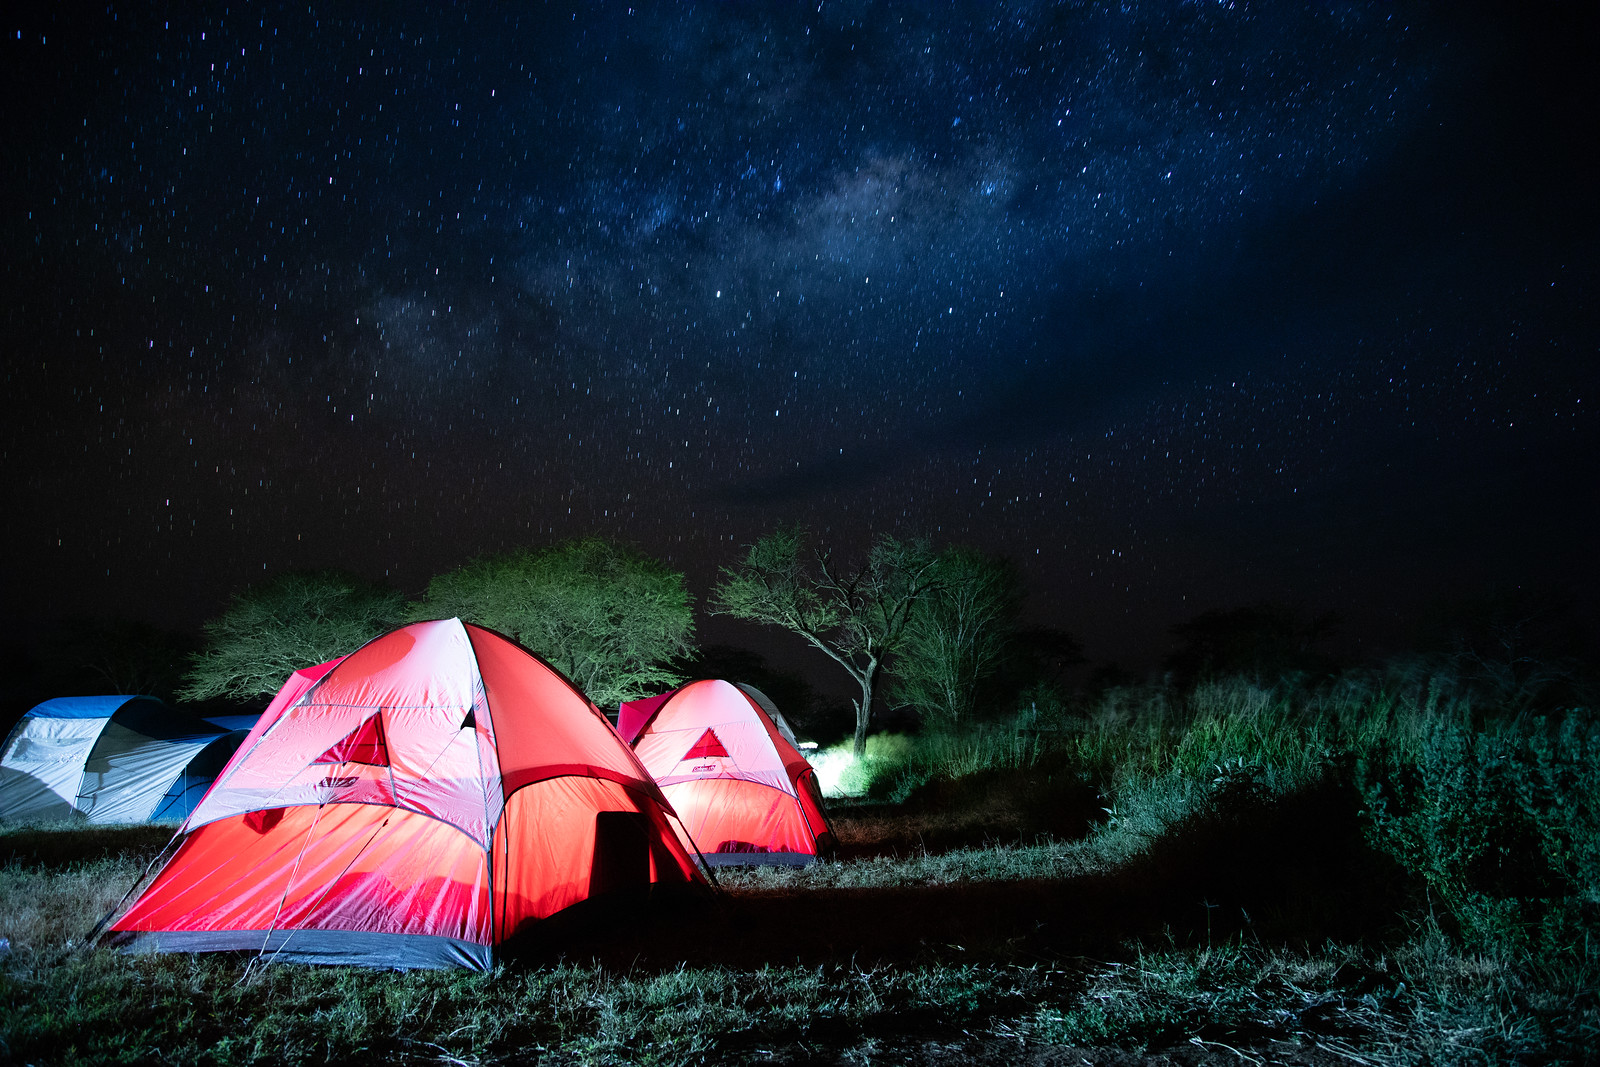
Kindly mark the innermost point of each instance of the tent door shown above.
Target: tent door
(621, 852)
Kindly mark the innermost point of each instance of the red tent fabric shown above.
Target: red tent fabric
(433, 794)
(633, 714)
(742, 789)
(294, 687)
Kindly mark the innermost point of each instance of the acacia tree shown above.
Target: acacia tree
(958, 635)
(857, 615)
(293, 621)
(608, 618)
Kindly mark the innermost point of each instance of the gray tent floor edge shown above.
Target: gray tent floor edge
(759, 859)
(354, 948)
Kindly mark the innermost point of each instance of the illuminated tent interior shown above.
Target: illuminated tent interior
(730, 765)
(109, 759)
(429, 797)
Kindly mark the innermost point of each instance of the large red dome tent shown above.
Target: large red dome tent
(731, 767)
(430, 796)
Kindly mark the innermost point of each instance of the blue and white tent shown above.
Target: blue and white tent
(110, 759)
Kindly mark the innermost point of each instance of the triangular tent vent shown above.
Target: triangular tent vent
(706, 747)
(364, 744)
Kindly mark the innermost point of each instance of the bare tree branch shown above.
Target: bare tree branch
(857, 616)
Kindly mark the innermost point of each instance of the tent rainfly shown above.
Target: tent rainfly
(729, 764)
(109, 759)
(436, 792)
(295, 686)
(292, 689)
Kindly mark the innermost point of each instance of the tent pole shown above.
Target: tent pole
(288, 884)
(701, 856)
(331, 882)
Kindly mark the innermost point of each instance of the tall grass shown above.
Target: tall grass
(1140, 734)
(1288, 730)
(1128, 738)
(1497, 812)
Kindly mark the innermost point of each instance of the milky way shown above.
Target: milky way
(1179, 305)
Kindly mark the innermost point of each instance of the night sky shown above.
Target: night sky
(1179, 305)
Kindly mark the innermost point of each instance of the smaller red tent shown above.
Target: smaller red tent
(733, 773)
(433, 794)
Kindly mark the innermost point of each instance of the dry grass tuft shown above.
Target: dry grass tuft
(45, 913)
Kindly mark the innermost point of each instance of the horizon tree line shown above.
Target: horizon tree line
(933, 632)
(620, 624)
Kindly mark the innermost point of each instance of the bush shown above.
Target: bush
(1503, 823)
(607, 617)
(292, 621)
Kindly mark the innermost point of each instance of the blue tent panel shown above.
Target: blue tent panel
(108, 758)
(80, 707)
(233, 722)
(190, 786)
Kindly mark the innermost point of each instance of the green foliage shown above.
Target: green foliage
(957, 635)
(1503, 822)
(953, 756)
(606, 617)
(1130, 738)
(856, 614)
(772, 586)
(295, 620)
(841, 772)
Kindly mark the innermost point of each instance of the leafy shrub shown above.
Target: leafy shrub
(1503, 823)
(292, 621)
(841, 773)
(607, 617)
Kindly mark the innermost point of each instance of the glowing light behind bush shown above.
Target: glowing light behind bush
(841, 774)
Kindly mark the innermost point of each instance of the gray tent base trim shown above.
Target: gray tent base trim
(352, 948)
(758, 859)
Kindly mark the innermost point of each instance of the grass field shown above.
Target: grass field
(1370, 871)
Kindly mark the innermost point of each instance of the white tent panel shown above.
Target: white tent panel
(750, 753)
(128, 773)
(772, 711)
(41, 769)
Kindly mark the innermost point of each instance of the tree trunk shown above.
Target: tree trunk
(864, 708)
